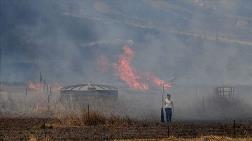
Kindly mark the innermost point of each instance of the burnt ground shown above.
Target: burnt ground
(53, 129)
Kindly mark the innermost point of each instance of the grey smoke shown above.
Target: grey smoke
(200, 42)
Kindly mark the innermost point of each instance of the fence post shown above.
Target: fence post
(234, 130)
(104, 137)
(88, 113)
(168, 129)
(48, 100)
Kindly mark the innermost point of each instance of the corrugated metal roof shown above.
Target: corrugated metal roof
(88, 87)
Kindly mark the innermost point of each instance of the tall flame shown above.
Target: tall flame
(131, 77)
(158, 82)
(127, 73)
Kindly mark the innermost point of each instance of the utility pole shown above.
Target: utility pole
(162, 107)
(40, 77)
(0, 66)
(1, 59)
(26, 91)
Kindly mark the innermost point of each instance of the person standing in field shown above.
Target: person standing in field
(168, 106)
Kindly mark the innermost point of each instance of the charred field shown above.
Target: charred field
(95, 126)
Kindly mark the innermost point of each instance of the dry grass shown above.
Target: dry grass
(205, 138)
(119, 121)
(70, 120)
(34, 138)
(89, 118)
(92, 118)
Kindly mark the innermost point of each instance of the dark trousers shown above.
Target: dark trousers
(168, 113)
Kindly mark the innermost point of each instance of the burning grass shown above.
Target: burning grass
(128, 73)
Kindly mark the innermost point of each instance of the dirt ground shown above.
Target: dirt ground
(55, 129)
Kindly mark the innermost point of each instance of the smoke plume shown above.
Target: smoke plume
(182, 46)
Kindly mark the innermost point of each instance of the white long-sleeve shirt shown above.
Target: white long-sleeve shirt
(168, 103)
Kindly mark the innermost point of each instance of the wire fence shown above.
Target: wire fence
(180, 130)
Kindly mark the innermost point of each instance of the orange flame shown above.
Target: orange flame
(131, 77)
(56, 87)
(127, 73)
(35, 86)
(40, 86)
(159, 83)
